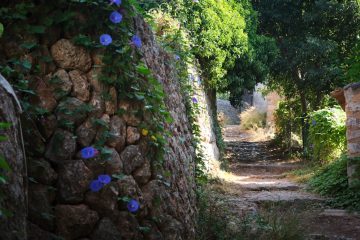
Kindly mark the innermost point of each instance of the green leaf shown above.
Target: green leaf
(1, 29)
(3, 164)
(3, 138)
(143, 70)
(28, 45)
(36, 29)
(5, 125)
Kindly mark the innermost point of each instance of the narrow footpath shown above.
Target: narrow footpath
(257, 185)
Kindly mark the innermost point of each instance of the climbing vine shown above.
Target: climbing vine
(106, 27)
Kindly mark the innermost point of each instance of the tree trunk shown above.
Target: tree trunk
(304, 124)
(13, 192)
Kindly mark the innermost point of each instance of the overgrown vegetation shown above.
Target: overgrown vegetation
(327, 134)
(252, 118)
(332, 180)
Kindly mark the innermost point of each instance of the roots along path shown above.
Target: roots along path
(257, 184)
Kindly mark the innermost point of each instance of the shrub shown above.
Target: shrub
(252, 118)
(327, 134)
(287, 124)
(332, 181)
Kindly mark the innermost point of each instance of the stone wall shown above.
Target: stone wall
(60, 202)
(352, 109)
(13, 199)
(205, 121)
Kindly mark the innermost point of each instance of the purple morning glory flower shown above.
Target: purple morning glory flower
(194, 100)
(135, 40)
(195, 1)
(133, 206)
(117, 2)
(104, 179)
(105, 39)
(313, 122)
(115, 17)
(177, 57)
(89, 152)
(96, 185)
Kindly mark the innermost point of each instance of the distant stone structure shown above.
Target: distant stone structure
(349, 99)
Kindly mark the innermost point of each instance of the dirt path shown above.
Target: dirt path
(257, 183)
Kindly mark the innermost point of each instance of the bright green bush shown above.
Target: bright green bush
(327, 134)
(332, 181)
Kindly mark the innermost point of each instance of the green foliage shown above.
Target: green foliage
(4, 167)
(332, 181)
(287, 124)
(252, 118)
(314, 38)
(327, 134)
(176, 41)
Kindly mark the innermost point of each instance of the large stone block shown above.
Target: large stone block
(74, 180)
(68, 56)
(62, 146)
(75, 221)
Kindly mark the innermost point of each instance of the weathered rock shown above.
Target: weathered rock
(111, 105)
(128, 226)
(117, 133)
(171, 228)
(75, 221)
(74, 180)
(45, 66)
(97, 56)
(60, 83)
(71, 111)
(106, 230)
(48, 125)
(153, 233)
(68, 56)
(86, 133)
(41, 171)
(81, 85)
(105, 201)
(132, 158)
(96, 85)
(36, 233)
(110, 164)
(41, 212)
(132, 135)
(62, 146)
(143, 174)
(128, 188)
(130, 116)
(14, 199)
(97, 104)
(45, 97)
(34, 142)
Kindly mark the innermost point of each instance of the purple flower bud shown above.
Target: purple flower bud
(115, 17)
(105, 39)
(136, 41)
(133, 206)
(177, 57)
(89, 152)
(117, 2)
(313, 122)
(194, 100)
(96, 185)
(104, 179)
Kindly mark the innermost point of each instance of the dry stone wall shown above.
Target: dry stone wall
(352, 109)
(60, 202)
